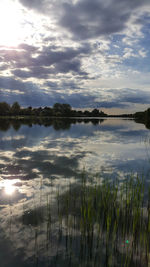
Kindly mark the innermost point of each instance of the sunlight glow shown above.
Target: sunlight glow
(10, 23)
(9, 187)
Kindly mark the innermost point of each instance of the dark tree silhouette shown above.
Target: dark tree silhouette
(58, 110)
(15, 108)
(4, 108)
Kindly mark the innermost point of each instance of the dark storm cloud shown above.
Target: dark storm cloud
(47, 61)
(27, 93)
(63, 85)
(4, 67)
(87, 19)
(38, 5)
(36, 72)
(109, 104)
(31, 94)
(81, 100)
(50, 84)
(19, 56)
(127, 95)
(32, 98)
(44, 72)
(28, 48)
(90, 19)
(122, 98)
(69, 84)
(13, 84)
(73, 66)
(36, 97)
(48, 56)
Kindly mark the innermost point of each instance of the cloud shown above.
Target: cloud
(4, 67)
(37, 5)
(36, 72)
(29, 93)
(20, 57)
(40, 72)
(28, 48)
(47, 61)
(26, 93)
(80, 47)
(90, 19)
(51, 84)
(13, 84)
(130, 96)
(86, 19)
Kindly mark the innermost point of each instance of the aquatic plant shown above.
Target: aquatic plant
(112, 221)
(94, 224)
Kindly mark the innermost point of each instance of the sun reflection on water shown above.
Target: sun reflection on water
(9, 186)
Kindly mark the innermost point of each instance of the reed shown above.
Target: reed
(100, 224)
(111, 217)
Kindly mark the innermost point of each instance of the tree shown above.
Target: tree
(95, 112)
(4, 108)
(57, 107)
(15, 108)
(87, 113)
(102, 114)
(62, 109)
(47, 111)
(66, 109)
(29, 110)
(147, 114)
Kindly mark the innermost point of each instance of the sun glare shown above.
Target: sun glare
(9, 187)
(10, 23)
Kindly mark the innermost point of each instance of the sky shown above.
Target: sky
(88, 53)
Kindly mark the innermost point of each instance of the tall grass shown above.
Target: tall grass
(100, 224)
(112, 222)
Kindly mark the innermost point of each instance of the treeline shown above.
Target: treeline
(143, 117)
(58, 110)
(65, 110)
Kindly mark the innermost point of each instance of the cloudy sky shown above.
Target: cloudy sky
(90, 54)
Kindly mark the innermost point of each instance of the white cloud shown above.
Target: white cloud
(76, 46)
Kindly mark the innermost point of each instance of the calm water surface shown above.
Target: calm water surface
(37, 162)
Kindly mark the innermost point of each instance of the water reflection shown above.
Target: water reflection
(9, 187)
(38, 163)
(57, 124)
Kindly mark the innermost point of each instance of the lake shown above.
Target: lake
(39, 163)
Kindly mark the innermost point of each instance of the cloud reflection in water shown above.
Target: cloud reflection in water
(45, 161)
(9, 186)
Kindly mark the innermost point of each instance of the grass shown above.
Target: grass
(111, 220)
(105, 224)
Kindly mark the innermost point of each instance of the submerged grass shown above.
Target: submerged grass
(112, 222)
(105, 224)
